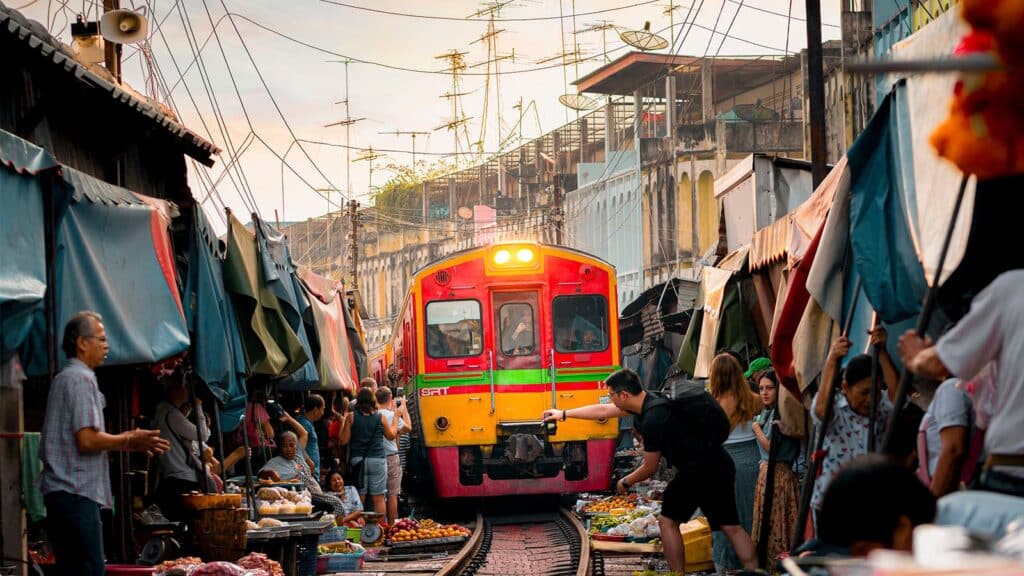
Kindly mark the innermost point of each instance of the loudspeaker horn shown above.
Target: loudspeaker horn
(124, 26)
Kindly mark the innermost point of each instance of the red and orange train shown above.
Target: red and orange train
(486, 340)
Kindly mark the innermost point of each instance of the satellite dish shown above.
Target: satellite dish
(578, 101)
(465, 213)
(643, 39)
(124, 27)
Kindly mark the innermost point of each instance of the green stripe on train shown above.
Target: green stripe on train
(505, 377)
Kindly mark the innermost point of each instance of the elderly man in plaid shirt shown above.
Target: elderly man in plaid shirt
(75, 480)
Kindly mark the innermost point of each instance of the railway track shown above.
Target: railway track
(548, 544)
(536, 544)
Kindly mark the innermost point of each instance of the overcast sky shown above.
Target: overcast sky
(306, 85)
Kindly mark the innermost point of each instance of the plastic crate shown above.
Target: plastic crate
(340, 533)
(329, 563)
(334, 534)
(306, 559)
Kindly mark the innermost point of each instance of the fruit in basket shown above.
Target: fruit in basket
(613, 504)
(437, 531)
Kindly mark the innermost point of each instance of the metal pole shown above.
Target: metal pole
(112, 51)
(220, 438)
(875, 352)
(348, 139)
(816, 91)
(694, 220)
(353, 206)
(248, 468)
(814, 466)
(925, 318)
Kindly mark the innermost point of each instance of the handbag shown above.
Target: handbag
(355, 476)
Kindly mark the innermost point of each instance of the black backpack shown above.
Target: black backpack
(699, 426)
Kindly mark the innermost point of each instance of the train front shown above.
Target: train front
(505, 333)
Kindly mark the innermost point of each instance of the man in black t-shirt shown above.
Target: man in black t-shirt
(706, 483)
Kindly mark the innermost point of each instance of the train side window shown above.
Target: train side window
(518, 332)
(454, 328)
(580, 323)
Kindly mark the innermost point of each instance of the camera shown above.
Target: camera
(275, 410)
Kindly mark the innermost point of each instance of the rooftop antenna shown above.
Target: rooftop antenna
(347, 122)
(602, 26)
(456, 65)
(577, 102)
(369, 155)
(643, 39)
(670, 11)
(493, 10)
(414, 134)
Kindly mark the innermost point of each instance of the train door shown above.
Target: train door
(518, 349)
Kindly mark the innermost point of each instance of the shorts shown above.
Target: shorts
(708, 485)
(375, 477)
(394, 474)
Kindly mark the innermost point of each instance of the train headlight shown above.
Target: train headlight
(525, 255)
(502, 257)
(441, 424)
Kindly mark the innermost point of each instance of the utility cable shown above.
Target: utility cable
(455, 19)
(346, 194)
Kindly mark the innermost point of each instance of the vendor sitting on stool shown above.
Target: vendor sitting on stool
(349, 497)
(289, 465)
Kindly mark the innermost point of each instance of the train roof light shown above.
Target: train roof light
(514, 259)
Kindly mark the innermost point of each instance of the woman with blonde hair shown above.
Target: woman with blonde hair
(728, 385)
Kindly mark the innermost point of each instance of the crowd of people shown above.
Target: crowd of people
(959, 462)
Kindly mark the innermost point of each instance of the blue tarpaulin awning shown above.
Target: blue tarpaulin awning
(114, 257)
(22, 242)
(881, 196)
(217, 357)
(279, 278)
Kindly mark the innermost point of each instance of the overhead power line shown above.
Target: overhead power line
(456, 19)
(780, 14)
(447, 72)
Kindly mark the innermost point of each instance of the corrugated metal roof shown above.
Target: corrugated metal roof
(771, 243)
(23, 156)
(91, 189)
(34, 35)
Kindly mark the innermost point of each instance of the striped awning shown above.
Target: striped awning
(789, 236)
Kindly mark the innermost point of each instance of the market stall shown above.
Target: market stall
(628, 525)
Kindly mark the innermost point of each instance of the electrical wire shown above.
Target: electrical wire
(789, 16)
(241, 173)
(170, 96)
(218, 114)
(447, 72)
(346, 194)
(455, 19)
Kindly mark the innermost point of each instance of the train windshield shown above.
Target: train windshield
(454, 329)
(518, 333)
(580, 323)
